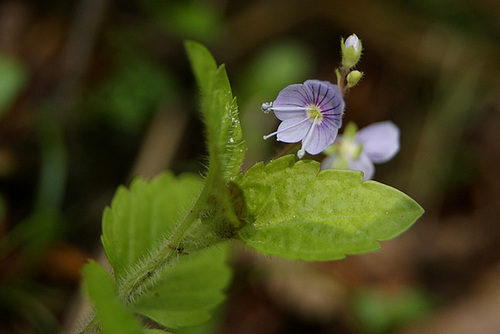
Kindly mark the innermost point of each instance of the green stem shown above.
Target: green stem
(343, 88)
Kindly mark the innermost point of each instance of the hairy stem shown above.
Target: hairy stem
(149, 271)
(145, 277)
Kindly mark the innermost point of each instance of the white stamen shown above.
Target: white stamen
(305, 141)
(292, 108)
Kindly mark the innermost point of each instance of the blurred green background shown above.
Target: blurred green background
(94, 92)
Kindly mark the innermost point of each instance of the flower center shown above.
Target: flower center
(314, 113)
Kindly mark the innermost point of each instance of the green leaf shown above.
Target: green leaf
(12, 80)
(187, 291)
(312, 215)
(101, 288)
(225, 145)
(140, 217)
(220, 113)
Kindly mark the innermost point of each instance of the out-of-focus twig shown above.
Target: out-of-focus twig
(74, 61)
(77, 53)
(160, 143)
(447, 119)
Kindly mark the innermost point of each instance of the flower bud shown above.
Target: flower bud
(353, 78)
(351, 51)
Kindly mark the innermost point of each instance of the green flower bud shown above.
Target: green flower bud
(353, 78)
(351, 51)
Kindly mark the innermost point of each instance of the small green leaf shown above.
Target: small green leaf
(113, 315)
(140, 217)
(312, 215)
(187, 291)
(225, 145)
(220, 113)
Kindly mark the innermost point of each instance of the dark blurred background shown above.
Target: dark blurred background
(94, 92)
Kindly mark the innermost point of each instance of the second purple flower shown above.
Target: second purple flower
(310, 112)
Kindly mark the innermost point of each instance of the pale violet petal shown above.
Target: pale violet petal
(316, 90)
(363, 164)
(332, 122)
(328, 98)
(321, 137)
(324, 94)
(291, 102)
(293, 130)
(380, 141)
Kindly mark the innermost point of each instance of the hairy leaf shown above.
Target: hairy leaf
(141, 216)
(187, 291)
(113, 315)
(301, 213)
(220, 113)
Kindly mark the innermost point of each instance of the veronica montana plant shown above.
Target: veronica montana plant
(168, 239)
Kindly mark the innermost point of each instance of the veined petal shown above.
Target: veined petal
(364, 164)
(333, 121)
(380, 141)
(325, 95)
(293, 130)
(321, 137)
(291, 102)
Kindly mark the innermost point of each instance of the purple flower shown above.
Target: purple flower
(310, 112)
(376, 143)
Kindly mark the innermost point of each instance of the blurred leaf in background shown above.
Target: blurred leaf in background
(456, 13)
(133, 91)
(185, 19)
(380, 310)
(28, 307)
(13, 77)
(279, 64)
